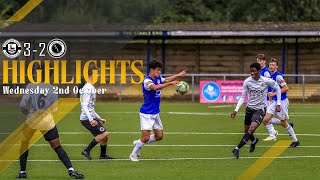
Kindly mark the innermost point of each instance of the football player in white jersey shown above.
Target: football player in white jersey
(40, 118)
(256, 86)
(90, 119)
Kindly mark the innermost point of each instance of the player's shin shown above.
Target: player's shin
(138, 147)
(244, 140)
(291, 133)
(64, 157)
(23, 161)
(92, 144)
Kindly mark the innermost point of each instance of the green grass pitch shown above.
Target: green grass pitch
(197, 144)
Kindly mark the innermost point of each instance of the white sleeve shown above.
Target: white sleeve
(267, 74)
(25, 100)
(85, 98)
(147, 83)
(162, 79)
(96, 115)
(271, 83)
(243, 97)
(280, 80)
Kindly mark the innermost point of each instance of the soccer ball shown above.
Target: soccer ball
(182, 87)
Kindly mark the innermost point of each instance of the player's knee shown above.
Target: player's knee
(251, 130)
(55, 143)
(284, 124)
(265, 122)
(105, 134)
(159, 138)
(145, 139)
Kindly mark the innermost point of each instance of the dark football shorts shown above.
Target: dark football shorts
(96, 130)
(51, 134)
(48, 135)
(253, 115)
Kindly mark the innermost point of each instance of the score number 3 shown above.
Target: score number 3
(27, 47)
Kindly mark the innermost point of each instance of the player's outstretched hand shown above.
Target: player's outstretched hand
(174, 83)
(278, 109)
(271, 94)
(182, 73)
(93, 123)
(103, 121)
(234, 114)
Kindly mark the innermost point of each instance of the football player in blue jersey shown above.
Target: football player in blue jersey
(261, 59)
(265, 72)
(283, 114)
(150, 109)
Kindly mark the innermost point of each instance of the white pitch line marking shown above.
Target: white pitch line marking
(173, 159)
(168, 145)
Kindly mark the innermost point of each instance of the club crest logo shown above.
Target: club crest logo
(11, 48)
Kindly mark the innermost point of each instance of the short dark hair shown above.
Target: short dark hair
(256, 65)
(154, 63)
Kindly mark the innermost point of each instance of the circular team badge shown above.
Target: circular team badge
(102, 129)
(57, 48)
(11, 48)
(211, 91)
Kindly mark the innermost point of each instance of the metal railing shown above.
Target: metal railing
(194, 79)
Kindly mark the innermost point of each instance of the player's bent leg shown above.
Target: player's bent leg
(158, 134)
(55, 144)
(64, 158)
(288, 127)
(138, 145)
(145, 136)
(254, 125)
(245, 138)
(99, 133)
(272, 132)
(103, 148)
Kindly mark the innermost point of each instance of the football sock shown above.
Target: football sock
(291, 133)
(270, 129)
(63, 157)
(70, 169)
(275, 121)
(244, 140)
(23, 160)
(91, 145)
(252, 139)
(138, 147)
(152, 139)
(103, 149)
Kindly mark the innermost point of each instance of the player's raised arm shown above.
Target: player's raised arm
(155, 87)
(174, 77)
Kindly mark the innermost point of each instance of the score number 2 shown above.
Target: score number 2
(28, 50)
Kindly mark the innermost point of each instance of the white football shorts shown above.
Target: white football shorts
(283, 114)
(150, 121)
